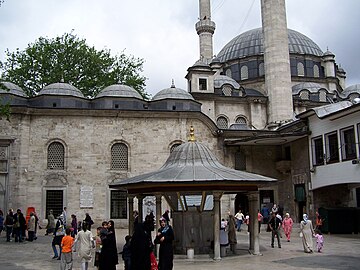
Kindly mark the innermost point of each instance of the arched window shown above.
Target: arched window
(227, 90)
(304, 94)
(240, 120)
(222, 122)
(261, 69)
(119, 156)
(316, 71)
(322, 95)
(228, 72)
(300, 69)
(244, 73)
(56, 156)
(174, 146)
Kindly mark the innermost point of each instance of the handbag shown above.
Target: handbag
(154, 265)
(301, 235)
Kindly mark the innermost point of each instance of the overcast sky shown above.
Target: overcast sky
(162, 32)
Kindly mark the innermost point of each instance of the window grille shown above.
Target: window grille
(300, 69)
(261, 69)
(54, 201)
(322, 95)
(202, 84)
(332, 147)
(56, 156)
(244, 73)
(222, 122)
(118, 204)
(317, 151)
(173, 147)
(119, 157)
(240, 161)
(348, 143)
(240, 120)
(316, 71)
(304, 94)
(227, 90)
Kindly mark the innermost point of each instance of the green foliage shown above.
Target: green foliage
(68, 58)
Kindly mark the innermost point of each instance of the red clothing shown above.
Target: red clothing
(67, 243)
(287, 226)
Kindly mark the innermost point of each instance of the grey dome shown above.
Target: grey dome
(61, 89)
(173, 93)
(310, 86)
(119, 90)
(251, 43)
(13, 89)
(220, 80)
(351, 90)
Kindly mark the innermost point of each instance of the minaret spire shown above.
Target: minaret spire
(205, 28)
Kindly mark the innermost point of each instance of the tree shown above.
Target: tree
(68, 58)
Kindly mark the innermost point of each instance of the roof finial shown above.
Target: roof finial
(172, 83)
(192, 135)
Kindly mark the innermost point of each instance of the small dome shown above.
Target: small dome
(13, 89)
(251, 43)
(64, 89)
(119, 90)
(328, 53)
(220, 80)
(173, 93)
(310, 86)
(352, 89)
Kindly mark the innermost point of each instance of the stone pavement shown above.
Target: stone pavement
(341, 252)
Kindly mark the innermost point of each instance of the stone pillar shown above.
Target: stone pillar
(254, 225)
(140, 207)
(131, 214)
(216, 220)
(277, 61)
(158, 216)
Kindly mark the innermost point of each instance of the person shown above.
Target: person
(260, 219)
(50, 227)
(126, 253)
(275, 224)
(19, 225)
(1, 221)
(274, 209)
(109, 256)
(224, 238)
(59, 233)
(319, 240)
(319, 221)
(64, 213)
(83, 244)
(74, 225)
(67, 243)
(232, 233)
(88, 221)
(166, 216)
(9, 223)
(280, 211)
(141, 245)
(287, 225)
(306, 233)
(247, 221)
(165, 237)
(36, 225)
(239, 220)
(136, 218)
(31, 227)
(265, 213)
(97, 247)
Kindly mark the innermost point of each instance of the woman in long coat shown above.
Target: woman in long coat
(84, 243)
(287, 225)
(108, 258)
(165, 237)
(307, 231)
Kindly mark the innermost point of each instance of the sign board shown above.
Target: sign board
(86, 197)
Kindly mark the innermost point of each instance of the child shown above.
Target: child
(319, 240)
(67, 243)
(126, 253)
(97, 247)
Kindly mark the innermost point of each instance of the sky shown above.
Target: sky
(162, 32)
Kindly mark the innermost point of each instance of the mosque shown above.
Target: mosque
(63, 149)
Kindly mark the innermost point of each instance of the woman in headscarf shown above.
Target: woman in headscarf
(307, 232)
(84, 243)
(108, 258)
(165, 237)
(287, 225)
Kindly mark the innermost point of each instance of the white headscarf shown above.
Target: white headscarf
(305, 218)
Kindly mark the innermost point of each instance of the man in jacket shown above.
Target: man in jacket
(9, 223)
(275, 225)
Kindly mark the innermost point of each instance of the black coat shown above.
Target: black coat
(166, 253)
(108, 258)
(141, 246)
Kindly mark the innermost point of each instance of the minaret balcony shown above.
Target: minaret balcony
(205, 26)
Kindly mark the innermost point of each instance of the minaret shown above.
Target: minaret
(277, 61)
(205, 28)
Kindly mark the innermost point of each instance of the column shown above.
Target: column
(158, 216)
(131, 214)
(140, 207)
(254, 224)
(216, 221)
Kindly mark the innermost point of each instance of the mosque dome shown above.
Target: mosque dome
(251, 43)
(61, 89)
(119, 90)
(13, 89)
(221, 80)
(173, 93)
(310, 86)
